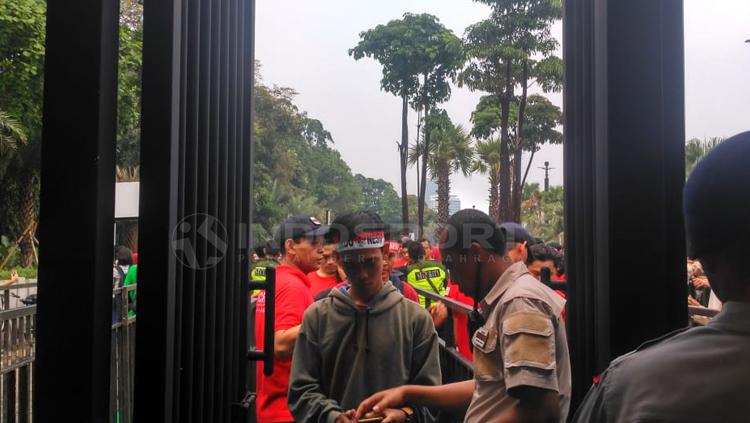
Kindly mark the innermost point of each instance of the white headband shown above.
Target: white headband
(370, 239)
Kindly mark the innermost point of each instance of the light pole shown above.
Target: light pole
(546, 169)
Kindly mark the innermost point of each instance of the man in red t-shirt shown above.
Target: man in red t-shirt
(301, 240)
(329, 274)
(461, 321)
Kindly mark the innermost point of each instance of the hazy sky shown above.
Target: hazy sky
(303, 44)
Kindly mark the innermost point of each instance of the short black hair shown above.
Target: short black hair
(347, 226)
(272, 249)
(260, 251)
(543, 252)
(416, 250)
(124, 256)
(471, 225)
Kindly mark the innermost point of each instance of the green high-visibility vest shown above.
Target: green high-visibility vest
(258, 272)
(427, 275)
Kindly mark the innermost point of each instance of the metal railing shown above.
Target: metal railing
(18, 348)
(17, 343)
(11, 296)
(122, 356)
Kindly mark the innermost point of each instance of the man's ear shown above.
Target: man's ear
(476, 250)
(288, 246)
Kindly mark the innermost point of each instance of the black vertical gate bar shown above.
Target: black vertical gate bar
(190, 280)
(77, 211)
(210, 189)
(23, 393)
(223, 275)
(624, 104)
(158, 210)
(214, 163)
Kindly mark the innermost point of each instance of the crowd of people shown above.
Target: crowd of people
(355, 338)
(350, 320)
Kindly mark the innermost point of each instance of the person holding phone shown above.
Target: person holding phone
(362, 338)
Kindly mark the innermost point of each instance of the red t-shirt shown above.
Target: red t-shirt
(410, 293)
(461, 321)
(400, 263)
(319, 283)
(292, 299)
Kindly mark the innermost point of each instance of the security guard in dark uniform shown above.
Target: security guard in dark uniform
(701, 374)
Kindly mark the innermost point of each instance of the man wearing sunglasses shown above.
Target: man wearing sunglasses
(521, 361)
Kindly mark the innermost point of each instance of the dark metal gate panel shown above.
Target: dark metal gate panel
(71, 376)
(624, 173)
(195, 210)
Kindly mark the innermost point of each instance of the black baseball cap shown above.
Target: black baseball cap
(517, 234)
(299, 226)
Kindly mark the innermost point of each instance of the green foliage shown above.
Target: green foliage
(450, 148)
(296, 169)
(22, 29)
(542, 118)
(12, 135)
(23, 272)
(129, 95)
(380, 197)
(543, 212)
(22, 37)
(696, 149)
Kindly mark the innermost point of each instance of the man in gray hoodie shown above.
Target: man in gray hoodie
(363, 337)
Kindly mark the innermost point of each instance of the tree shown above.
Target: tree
(450, 152)
(12, 135)
(22, 32)
(503, 51)
(543, 212)
(296, 168)
(542, 120)
(419, 55)
(440, 59)
(696, 149)
(394, 45)
(380, 197)
(487, 161)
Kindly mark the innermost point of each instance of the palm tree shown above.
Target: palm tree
(450, 151)
(11, 134)
(488, 162)
(695, 149)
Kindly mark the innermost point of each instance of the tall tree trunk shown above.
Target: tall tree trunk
(425, 157)
(494, 196)
(505, 189)
(518, 154)
(28, 218)
(443, 191)
(403, 150)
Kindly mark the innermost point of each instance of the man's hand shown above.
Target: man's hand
(381, 401)
(390, 415)
(700, 282)
(439, 313)
(346, 417)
